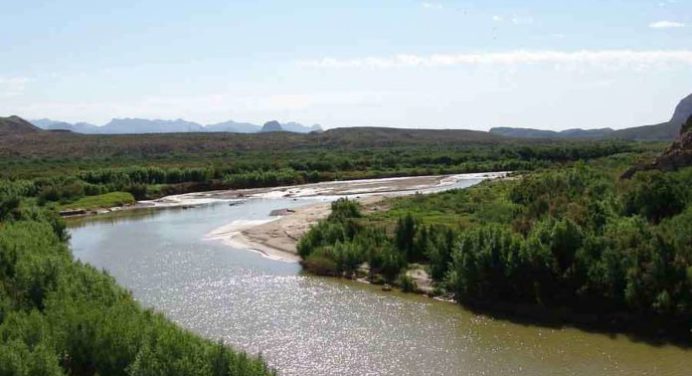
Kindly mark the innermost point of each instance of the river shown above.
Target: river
(307, 325)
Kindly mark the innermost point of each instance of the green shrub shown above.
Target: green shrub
(321, 264)
(106, 200)
(406, 283)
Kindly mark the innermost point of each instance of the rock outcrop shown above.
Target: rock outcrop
(682, 111)
(676, 156)
(679, 154)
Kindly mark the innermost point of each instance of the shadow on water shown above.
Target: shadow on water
(640, 330)
(125, 215)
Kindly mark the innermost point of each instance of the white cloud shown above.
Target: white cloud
(666, 25)
(12, 86)
(429, 5)
(519, 20)
(514, 19)
(607, 58)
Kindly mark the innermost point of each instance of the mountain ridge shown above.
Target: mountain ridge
(144, 126)
(666, 131)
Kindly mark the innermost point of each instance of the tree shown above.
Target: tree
(656, 195)
(405, 234)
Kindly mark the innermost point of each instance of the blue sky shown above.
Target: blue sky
(427, 64)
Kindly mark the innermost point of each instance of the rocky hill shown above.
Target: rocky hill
(14, 125)
(271, 126)
(541, 133)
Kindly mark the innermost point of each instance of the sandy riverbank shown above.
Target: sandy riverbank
(277, 238)
(363, 187)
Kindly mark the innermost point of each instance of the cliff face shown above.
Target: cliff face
(682, 111)
(677, 155)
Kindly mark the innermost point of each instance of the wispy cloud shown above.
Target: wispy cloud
(613, 58)
(12, 86)
(431, 5)
(515, 19)
(666, 25)
(666, 3)
(522, 20)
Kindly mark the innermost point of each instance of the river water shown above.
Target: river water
(307, 325)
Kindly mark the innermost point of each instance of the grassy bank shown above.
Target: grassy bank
(106, 200)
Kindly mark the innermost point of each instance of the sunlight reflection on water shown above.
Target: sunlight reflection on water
(306, 325)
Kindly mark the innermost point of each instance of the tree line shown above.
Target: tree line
(68, 181)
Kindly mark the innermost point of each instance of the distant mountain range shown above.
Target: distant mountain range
(667, 131)
(657, 132)
(137, 126)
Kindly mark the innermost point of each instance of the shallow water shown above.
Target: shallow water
(306, 325)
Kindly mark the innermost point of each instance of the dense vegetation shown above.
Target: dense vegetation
(67, 180)
(576, 241)
(61, 317)
(58, 316)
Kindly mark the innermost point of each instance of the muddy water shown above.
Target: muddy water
(305, 325)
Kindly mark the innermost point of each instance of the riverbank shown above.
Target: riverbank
(277, 238)
(361, 187)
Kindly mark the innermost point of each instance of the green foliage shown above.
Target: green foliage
(486, 263)
(657, 195)
(386, 261)
(439, 249)
(154, 170)
(60, 317)
(255, 179)
(321, 263)
(105, 200)
(343, 209)
(405, 234)
(324, 233)
(575, 238)
(406, 283)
